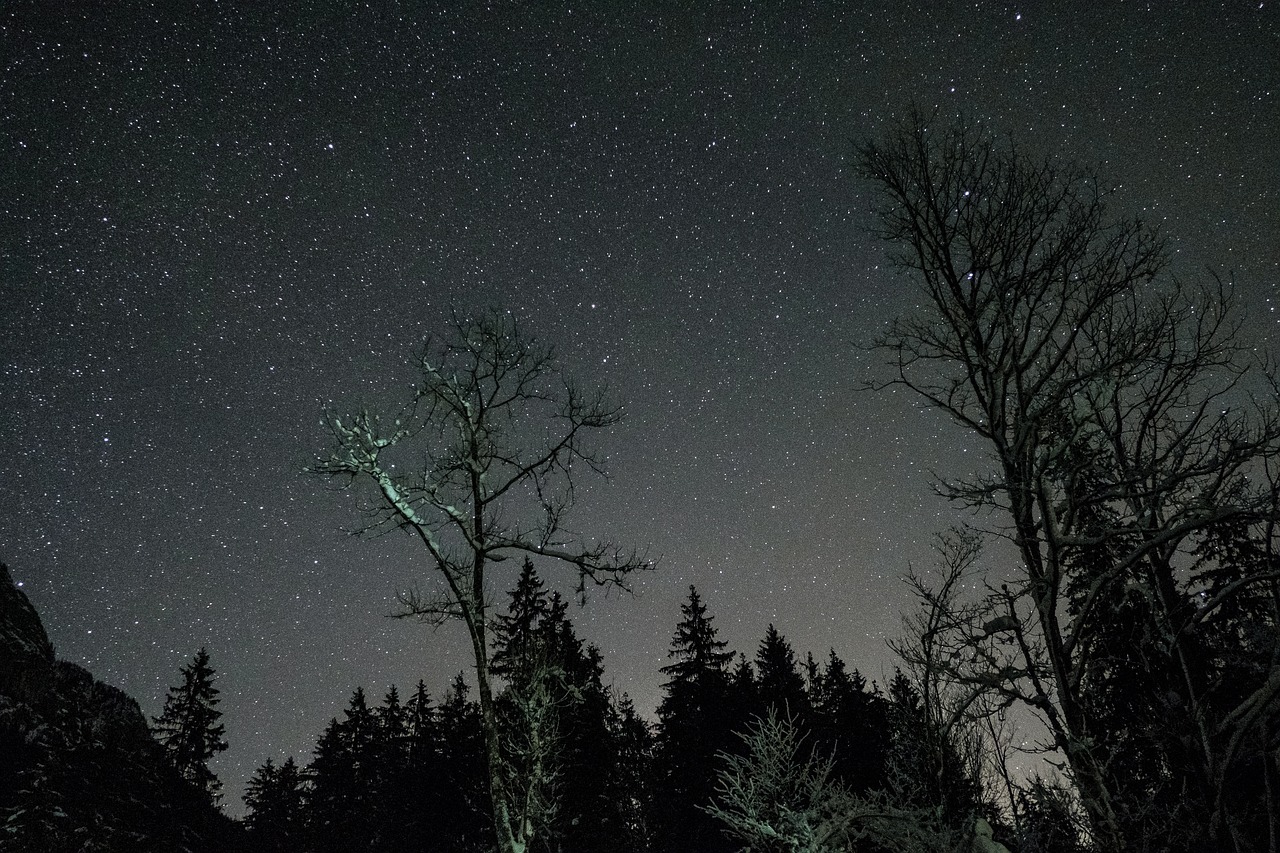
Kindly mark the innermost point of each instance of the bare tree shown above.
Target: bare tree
(1116, 414)
(481, 466)
(943, 637)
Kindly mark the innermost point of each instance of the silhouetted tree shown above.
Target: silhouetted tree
(188, 726)
(925, 767)
(1102, 397)
(695, 723)
(779, 681)
(415, 795)
(463, 796)
(503, 435)
(851, 724)
(516, 647)
(423, 741)
(629, 785)
(274, 798)
(1046, 819)
(393, 730)
(555, 715)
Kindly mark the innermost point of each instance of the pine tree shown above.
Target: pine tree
(275, 802)
(851, 723)
(696, 721)
(528, 654)
(412, 798)
(392, 720)
(629, 785)
(420, 729)
(390, 778)
(781, 685)
(343, 797)
(925, 766)
(514, 636)
(331, 795)
(188, 727)
(699, 655)
(588, 820)
(360, 730)
(554, 688)
(463, 794)
(744, 691)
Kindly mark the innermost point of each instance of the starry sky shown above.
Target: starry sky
(222, 218)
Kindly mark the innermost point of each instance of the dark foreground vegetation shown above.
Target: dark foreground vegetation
(385, 777)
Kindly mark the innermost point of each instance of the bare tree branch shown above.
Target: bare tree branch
(479, 466)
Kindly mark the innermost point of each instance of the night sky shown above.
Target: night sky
(220, 221)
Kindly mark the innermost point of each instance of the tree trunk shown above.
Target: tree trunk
(511, 839)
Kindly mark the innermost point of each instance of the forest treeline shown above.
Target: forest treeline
(408, 773)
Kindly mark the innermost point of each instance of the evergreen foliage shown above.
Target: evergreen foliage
(768, 751)
(275, 798)
(188, 727)
(778, 677)
(696, 721)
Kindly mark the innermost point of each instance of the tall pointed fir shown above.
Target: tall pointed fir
(927, 768)
(418, 798)
(514, 634)
(420, 729)
(342, 799)
(588, 821)
(331, 794)
(275, 799)
(851, 723)
(630, 784)
(464, 796)
(188, 727)
(554, 715)
(696, 721)
(782, 687)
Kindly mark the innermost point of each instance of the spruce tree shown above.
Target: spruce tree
(360, 731)
(420, 729)
(514, 637)
(419, 800)
(188, 727)
(925, 765)
(851, 723)
(332, 794)
(696, 721)
(781, 686)
(390, 776)
(630, 785)
(554, 714)
(342, 801)
(275, 799)
(463, 794)
(699, 656)
(392, 718)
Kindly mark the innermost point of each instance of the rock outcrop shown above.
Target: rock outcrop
(79, 769)
(26, 655)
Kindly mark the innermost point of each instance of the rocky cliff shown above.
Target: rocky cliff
(26, 655)
(79, 769)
